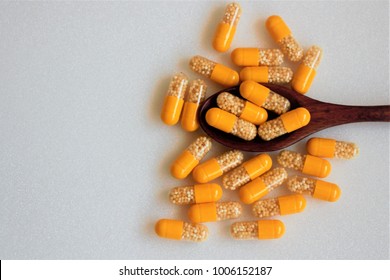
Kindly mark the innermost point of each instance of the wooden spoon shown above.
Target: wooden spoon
(323, 115)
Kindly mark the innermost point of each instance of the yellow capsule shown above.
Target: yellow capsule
(214, 211)
(179, 230)
(196, 94)
(262, 185)
(329, 148)
(316, 188)
(200, 193)
(215, 167)
(307, 70)
(285, 123)
(264, 97)
(241, 108)
(263, 229)
(267, 74)
(257, 57)
(215, 71)
(173, 103)
(247, 171)
(307, 164)
(190, 158)
(227, 28)
(282, 35)
(229, 123)
(283, 205)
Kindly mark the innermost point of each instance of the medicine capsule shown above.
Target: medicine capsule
(173, 103)
(227, 28)
(282, 35)
(257, 57)
(200, 193)
(307, 70)
(264, 97)
(329, 148)
(196, 94)
(179, 230)
(307, 164)
(285, 123)
(214, 211)
(241, 108)
(267, 74)
(247, 171)
(216, 167)
(190, 158)
(282, 205)
(215, 71)
(316, 188)
(229, 123)
(262, 185)
(263, 229)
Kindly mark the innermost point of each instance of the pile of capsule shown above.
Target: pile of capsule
(253, 178)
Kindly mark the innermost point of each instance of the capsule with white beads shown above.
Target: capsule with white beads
(267, 74)
(330, 148)
(200, 193)
(282, 205)
(214, 211)
(262, 229)
(227, 28)
(257, 57)
(196, 94)
(180, 230)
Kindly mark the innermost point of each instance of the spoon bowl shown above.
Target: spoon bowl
(323, 115)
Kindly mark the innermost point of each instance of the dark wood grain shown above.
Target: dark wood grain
(323, 115)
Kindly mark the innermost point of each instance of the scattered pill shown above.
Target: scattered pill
(215, 71)
(267, 74)
(257, 57)
(263, 229)
(174, 100)
(262, 185)
(316, 188)
(200, 193)
(190, 158)
(285, 123)
(264, 97)
(329, 148)
(282, 205)
(179, 230)
(227, 28)
(229, 123)
(247, 171)
(214, 211)
(196, 94)
(282, 35)
(307, 164)
(216, 167)
(243, 109)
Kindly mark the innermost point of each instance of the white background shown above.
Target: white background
(84, 156)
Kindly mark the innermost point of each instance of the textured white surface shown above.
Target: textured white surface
(84, 157)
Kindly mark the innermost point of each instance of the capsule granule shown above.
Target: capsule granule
(179, 230)
(215, 71)
(264, 97)
(267, 74)
(227, 27)
(282, 35)
(263, 229)
(214, 211)
(173, 102)
(200, 193)
(257, 57)
(285, 123)
(190, 158)
(307, 164)
(282, 205)
(241, 108)
(246, 172)
(316, 188)
(229, 123)
(262, 185)
(307, 70)
(329, 148)
(216, 167)
(196, 94)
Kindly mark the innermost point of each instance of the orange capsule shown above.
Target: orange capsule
(282, 205)
(214, 211)
(263, 229)
(200, 193)
(257, 57)
(196, 94)
(307, 70)
(267, 74)
(179, 230)
(227, 28)
(329, 148)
